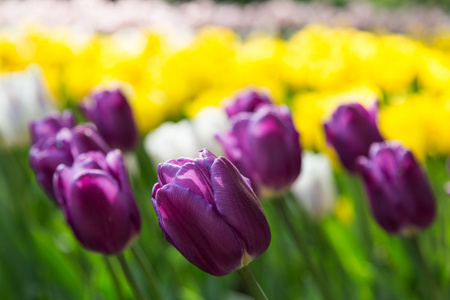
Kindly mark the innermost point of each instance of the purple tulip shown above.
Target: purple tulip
(111, 113)
(351, 131)
(50, 125)
(400, 195)
(265, 147)
(62, 148)
(247, 101)
(209, 212)
(98, 202)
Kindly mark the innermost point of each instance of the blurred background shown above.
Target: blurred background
(173, 59)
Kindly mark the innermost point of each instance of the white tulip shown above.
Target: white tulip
(171, 141)
(185, 138)
(209, 121)
(315, 187)
(23, 97)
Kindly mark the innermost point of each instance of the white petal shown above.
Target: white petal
(209, 121)
(171, 141)
(315, 188)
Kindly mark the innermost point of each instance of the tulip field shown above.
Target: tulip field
(219, 164)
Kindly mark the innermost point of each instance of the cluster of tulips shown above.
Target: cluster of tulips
(209, 208)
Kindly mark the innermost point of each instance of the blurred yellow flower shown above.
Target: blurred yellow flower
(315, 58)
(313, 71)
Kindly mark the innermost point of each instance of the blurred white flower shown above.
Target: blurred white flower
(171, 141)
(209, 121)
(23, 97)
(185, 138)
(315, 187)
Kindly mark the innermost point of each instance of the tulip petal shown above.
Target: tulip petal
(61, 182)
(423, 209)
(197, 230)
(196, 177)
(46, 157)
(351, 131)
(277, 169)
(98, 213)
(116, 166)
(239, 206)
(114, 119)
(207, 157)
(230, 145)
(239, 148)
(167, 173)
(86, 139)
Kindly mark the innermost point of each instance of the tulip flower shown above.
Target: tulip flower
(208, 211)
(265, 147)
(315, 188)
(63, 148)
(351, 131)
(112, 114)
(400, 195)
(247, 101)
(98, 202)
(49, 125)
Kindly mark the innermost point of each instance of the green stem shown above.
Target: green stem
(363, 217)
(430, 287)
(114, 278)
(148, 271)
(130, 278)
(284, 211)
(250, 280)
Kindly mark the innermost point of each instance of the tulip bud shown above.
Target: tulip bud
(98, 202)
(247, 101)
(50, 125)
(265, 147)
(315, 188)
(111, 113)
(400, 195)
(208, 211)
(351, 131)
(62, 148)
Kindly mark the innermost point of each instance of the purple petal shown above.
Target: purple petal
(116, 167)
(167, 173)
(247, 101)
(351, 131)
(208, 157)
(45, 158)
(239, 206)
(50, 125)
(197, 230)
(99, 214)
(114, 119)
(61, 183)
(85, 139)
(276, 151)
(196, 177)
(230, 146)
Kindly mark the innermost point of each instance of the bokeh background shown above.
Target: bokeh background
(174, 59)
